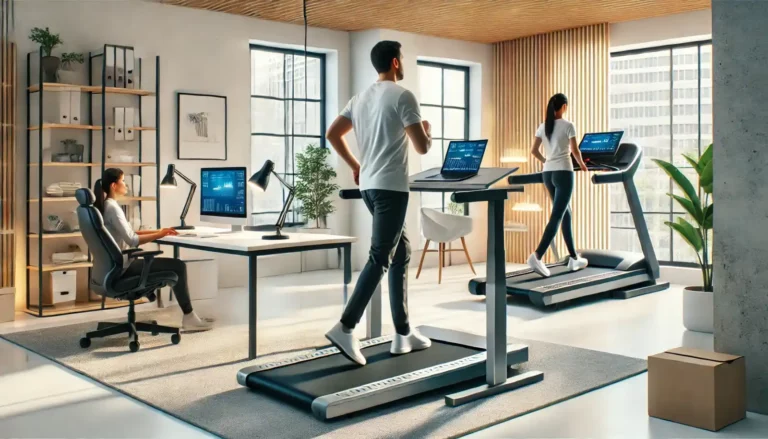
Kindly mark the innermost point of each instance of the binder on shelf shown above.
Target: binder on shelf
(129, 123)
(64, 99)
(136, 185)
(130, 69)
(120, 67)
(119, 124)
(74, 107)
(109, 66)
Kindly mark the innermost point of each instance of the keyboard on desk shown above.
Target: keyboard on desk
(197, 235)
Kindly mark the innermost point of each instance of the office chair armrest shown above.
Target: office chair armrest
(148, 254)
(129, 251)
(149, 257)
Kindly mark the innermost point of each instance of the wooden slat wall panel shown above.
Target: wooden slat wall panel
(8, 147)
(484, 21)
(526, 73)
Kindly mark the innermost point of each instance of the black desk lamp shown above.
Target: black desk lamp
(261, 180)
(169, 181)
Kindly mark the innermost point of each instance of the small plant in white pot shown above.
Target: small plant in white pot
(70, 61)
(47, 42)
(315, 184)
(698, 308)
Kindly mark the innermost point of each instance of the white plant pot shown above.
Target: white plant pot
(698, 310)
(315, 259)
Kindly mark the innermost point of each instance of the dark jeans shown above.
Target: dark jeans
(559, 184)
(181, 290)
(390, 250)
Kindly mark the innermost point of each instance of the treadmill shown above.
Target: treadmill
(329, 385)
(623, 274)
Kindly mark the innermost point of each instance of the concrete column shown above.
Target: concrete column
(740, 55)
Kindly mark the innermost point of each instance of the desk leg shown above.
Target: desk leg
(176, 255)
(347, 270)
(252, 307)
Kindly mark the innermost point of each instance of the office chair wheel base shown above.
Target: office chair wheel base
(85, 342)
(176, 339)
(154, 322)
(134, 346)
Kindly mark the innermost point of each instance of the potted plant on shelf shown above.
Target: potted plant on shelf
(314, 188)
(69, 62)
(698, 308)
(47, 42)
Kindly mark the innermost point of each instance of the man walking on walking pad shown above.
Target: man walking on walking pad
(383, 117)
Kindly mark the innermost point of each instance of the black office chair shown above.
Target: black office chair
(107, 277)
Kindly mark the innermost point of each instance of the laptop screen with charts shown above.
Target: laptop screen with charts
(464, 157)
(600, 144)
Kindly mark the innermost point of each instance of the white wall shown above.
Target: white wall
(479, 58)
(200, 51)
(670, 29)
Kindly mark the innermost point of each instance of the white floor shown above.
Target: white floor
(41, 399)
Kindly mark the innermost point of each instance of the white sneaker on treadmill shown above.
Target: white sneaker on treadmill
(577, 264)
(403, 344)
(537, 266)
(346, 343)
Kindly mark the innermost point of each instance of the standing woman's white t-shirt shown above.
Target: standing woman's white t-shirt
(558, 149)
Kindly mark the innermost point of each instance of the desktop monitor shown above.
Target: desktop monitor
(223, 195)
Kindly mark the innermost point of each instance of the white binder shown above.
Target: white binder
(120, 68)
(75, 117)
(64, 99)
(136, 185)
(130, 69)
(110, 66)
(119, 124)
(129, 123)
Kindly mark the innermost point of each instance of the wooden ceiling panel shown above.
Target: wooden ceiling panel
(485, 21)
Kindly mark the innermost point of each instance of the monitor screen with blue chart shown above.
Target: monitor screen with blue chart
(223, 192)
(601, 143)
(464, 156)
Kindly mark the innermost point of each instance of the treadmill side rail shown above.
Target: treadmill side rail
(409, 384)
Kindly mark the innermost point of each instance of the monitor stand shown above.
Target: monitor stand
(235, 229)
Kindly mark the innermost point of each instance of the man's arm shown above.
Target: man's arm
(335, 135)
(421, 136)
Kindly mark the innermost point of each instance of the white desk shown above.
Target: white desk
(251, 245)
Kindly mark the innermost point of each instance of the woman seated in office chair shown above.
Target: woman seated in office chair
(112, 185)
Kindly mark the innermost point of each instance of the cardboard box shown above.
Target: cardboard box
(698, 388)
(7, 304)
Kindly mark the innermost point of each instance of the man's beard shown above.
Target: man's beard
(399, 74)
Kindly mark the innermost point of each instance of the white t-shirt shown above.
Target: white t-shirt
(119, 228)
(379, 116)
(558, 148)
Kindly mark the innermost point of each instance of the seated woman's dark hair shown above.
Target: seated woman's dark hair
(101, 188)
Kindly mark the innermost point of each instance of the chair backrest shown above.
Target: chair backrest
(107, 256)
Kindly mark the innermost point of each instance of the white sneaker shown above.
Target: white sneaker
(346, 343)
(577, 264)
(403, 344)
(192, 323)
(537, 266)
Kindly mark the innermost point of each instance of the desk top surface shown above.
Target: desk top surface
(484, 179)
(249, 241)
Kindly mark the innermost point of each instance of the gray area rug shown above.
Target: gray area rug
(196, 380)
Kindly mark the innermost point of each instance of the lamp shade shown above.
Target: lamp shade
(261, 178)
(170, 179)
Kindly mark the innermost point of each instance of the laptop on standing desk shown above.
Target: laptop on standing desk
(462, 161)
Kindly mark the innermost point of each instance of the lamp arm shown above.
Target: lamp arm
(176, 171)
(290, 188)
(189, 201)
(284, 213)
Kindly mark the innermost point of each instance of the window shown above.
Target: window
(287, 114)
(676, 120)
(444, 91)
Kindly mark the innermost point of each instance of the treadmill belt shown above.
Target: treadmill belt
(302, 382)
(559, 273)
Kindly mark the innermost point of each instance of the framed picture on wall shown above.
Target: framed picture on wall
(201, 127)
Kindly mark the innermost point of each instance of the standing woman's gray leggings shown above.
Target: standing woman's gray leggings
(559, 184)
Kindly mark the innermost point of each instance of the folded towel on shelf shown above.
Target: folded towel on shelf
(62, 189)
(68, 258)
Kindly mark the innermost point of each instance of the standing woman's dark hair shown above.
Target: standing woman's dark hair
(101, 188)
(556, 102)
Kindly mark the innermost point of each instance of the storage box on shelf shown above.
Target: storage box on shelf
(55, 112)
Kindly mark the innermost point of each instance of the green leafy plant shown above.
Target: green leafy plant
(47, 40)
(697, 235)
(315, 183)
(70, 58)
(455, 208)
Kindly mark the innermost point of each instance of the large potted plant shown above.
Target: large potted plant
(68, 73)
(47, 42)
(315, 184)
(698, 308)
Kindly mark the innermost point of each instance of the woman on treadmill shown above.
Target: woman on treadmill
(559, 138)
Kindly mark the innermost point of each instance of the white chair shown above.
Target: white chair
(443, 228)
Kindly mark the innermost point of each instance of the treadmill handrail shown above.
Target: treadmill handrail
(623, 174)
(535, 178)
(350, 194)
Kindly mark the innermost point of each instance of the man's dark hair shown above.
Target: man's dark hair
(383, 53)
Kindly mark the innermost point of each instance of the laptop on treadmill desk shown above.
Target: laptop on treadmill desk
(462, 161)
